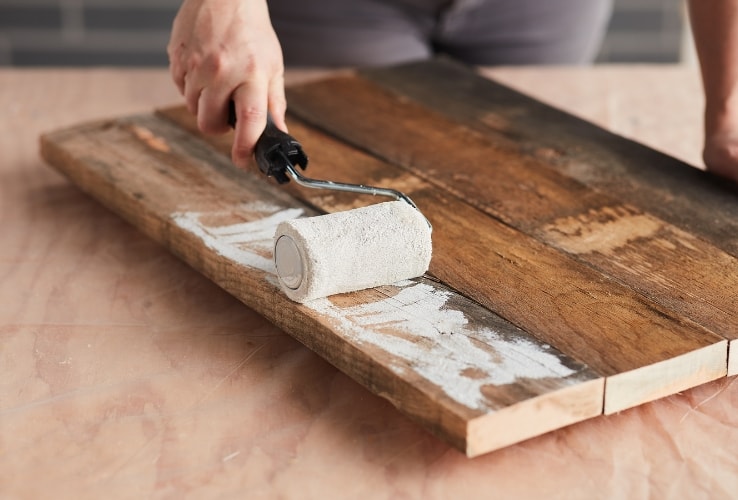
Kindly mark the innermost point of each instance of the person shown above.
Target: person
(715, 28)
(237, 49)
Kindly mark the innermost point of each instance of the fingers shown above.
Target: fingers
(251, 115)
(212, 112)
(192, 91)
(254, 99)
(177, 72)
(185, 70)
(208, 99)
(277, 101)
(206, 94)
(176, 68)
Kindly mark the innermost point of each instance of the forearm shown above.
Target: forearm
(715, 27)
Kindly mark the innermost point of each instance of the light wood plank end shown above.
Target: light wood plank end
(635, 387)
(534, 417)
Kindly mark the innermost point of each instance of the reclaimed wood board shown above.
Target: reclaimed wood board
(454, 366)
(549, 301)
(557, 306)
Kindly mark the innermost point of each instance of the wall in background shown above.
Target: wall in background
(135, 32)
(646, 31)
(85, 32)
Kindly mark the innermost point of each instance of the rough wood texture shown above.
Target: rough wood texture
(627, 170)
(652, 352)
(619, 232)
(550, 253)
(439, 357)
(127, 374)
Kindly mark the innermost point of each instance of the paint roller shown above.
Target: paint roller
(345, 251)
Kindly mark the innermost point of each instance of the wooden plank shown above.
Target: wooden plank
(636, 174)
(667, 263)
(603, 324)
(463, 372)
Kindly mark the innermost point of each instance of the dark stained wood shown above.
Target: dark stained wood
(462, 371)
(666, 263)
(633, 173)
(589, 316)
(556, 285)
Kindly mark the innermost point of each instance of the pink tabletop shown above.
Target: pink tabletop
(125, 374)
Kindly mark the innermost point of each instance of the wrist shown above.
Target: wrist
(721, 116)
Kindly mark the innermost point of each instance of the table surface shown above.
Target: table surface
(127, 374)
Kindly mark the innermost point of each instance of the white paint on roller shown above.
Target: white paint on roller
(440, 346)
(357, 249)
(245, 243)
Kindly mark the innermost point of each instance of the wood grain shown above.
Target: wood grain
(127, 375)
(514, 275)
(633, 173)
(667, 263)
(441, 358)
(590, 286)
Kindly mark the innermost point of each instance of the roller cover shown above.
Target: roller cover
(352, 250)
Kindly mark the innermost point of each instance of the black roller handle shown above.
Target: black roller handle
(275, 150)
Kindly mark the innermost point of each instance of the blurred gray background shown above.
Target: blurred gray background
(135, 32)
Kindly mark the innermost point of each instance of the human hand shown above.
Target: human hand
(721, 145)
(226, 49)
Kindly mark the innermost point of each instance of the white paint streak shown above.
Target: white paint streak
(244, 242)
(440, 347)
(259, 230)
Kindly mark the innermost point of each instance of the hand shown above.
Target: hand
(226, 49)
(721, 157)
(715, 30)
(721, 146)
